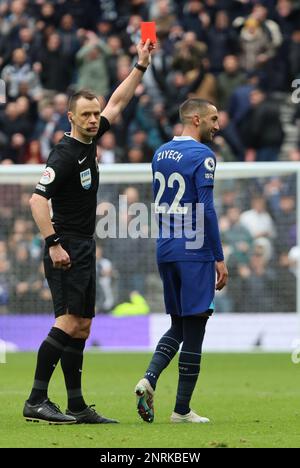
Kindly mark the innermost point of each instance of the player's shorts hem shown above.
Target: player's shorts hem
(189, 288)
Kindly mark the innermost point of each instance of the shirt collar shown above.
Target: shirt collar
(184, 138)
(68, 134)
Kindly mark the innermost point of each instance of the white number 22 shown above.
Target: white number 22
(175, 207)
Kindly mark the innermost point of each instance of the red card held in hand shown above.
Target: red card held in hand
(148, 31)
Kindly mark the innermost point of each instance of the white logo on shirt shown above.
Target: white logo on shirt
(209, 163)
(48, 176)
(80, 161)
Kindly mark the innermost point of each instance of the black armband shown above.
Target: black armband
(52, 240)
(140, 67)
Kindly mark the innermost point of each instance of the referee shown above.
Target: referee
(71, 181)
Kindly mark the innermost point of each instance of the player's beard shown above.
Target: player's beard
(206, 136)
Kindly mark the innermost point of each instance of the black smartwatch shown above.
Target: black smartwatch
(52, 240)
(140, 67)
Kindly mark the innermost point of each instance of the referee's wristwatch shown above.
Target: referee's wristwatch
(52, 240)
(140, 67)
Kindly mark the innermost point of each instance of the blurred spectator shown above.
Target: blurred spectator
(163, 17)
(116, 51)
(239, 101)
(104, 271)
(228, 80)
(15, 18)
(195, 18)
(21, 279)
(238, 238)
(20, 71)
(55, 65)
(222, 40)
(15, 129)
(40, 300)
(33, 153)
(60, 105)
(108, 150)
(229, 134)
(68, 37)
(204, 85)
(139, 139)
(5, 273)
(257, 220)
(255, 281)
(285, 219)
(135, 155)
(92, 65)
(256, 47)
(286, 295)
(157, 74)
(84, 12)
(44, 129)
(131, 35)
(261, 130)
(29, 42)
(188, 53)
(294, 54)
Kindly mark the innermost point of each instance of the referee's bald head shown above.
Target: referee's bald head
(82, 93)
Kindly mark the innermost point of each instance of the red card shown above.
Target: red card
(148, 31)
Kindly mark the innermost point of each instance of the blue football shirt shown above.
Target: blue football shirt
(183, 179)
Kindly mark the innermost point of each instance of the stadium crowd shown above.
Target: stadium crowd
(241, 55)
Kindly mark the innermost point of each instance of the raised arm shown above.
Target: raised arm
(125, 91)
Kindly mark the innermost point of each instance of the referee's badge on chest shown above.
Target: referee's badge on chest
(86, 179)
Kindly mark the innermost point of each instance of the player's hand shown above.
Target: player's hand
(144, 52)
(222, 275)
(59, 257)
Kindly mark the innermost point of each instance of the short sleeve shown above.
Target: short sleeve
(56, 173)
(205, 171)
(104, 126)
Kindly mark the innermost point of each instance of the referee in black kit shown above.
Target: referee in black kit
(71, 181)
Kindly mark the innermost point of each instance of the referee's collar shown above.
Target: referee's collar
(68, 134)
(184, 138)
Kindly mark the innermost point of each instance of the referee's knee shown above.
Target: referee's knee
(83, 333)
(77, 327)
(84, 327)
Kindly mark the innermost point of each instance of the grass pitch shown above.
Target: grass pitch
(251, 399)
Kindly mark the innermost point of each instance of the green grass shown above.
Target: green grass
(251, 399)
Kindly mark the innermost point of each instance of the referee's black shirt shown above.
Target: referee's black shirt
(71, 180)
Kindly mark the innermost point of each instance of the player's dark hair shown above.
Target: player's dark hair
(192, 106)
(85, 93)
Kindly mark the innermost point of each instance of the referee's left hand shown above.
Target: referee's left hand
(222, 275)
(144, 52)
(59, 257)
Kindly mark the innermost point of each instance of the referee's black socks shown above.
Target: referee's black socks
(71, 363)
(189, 361)
(48, 356)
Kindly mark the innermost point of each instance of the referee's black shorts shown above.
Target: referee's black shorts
(74, 290)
